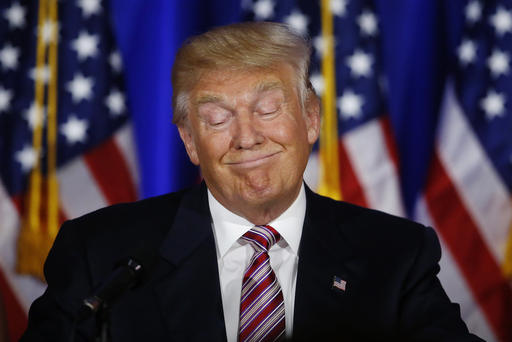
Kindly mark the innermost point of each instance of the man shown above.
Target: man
(251, 253)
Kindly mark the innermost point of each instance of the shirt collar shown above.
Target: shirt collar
(229, 227)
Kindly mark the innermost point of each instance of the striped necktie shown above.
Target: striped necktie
(261, 302)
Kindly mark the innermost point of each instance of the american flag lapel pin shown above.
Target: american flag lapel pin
(338, 283)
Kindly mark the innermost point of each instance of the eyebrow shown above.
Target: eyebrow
(266, 86)
(208, 98)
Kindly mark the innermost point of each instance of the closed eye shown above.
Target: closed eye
(268, 113)
(217, 121)
(269, 103)
(213, 115)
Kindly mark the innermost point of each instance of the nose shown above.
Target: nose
(247, 133)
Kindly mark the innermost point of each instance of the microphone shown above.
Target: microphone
(123, 278)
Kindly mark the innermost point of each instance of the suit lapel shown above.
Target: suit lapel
(187, 285)
(320, 308)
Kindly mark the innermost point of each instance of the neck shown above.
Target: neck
(261, 213)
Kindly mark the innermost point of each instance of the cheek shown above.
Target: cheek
(287, 132)
(213, 147)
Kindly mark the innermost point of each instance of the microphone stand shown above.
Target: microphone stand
(102, 318)
(103, 324)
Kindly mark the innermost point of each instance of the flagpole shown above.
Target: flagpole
(329, 158)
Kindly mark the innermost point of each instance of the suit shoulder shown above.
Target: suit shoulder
(151, 214)
(107, 235)
(130, 209)
(369, 226)
(349, 211)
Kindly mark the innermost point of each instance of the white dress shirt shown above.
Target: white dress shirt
(234, 254)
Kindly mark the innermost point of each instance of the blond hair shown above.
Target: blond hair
(259, 45)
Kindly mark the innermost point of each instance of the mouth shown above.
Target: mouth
(254, 161)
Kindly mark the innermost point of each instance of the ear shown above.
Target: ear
(188, 141)
(312, 107)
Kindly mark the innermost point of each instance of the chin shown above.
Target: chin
(258, 194)
(266, 194)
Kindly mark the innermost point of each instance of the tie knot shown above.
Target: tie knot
(262, 237)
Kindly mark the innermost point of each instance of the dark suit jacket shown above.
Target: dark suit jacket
(389, 264)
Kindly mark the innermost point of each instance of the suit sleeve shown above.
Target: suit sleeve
(426, 311)
(51, 315)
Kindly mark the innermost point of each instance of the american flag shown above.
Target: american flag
(466, 193)
(339, 283)
(63, 114)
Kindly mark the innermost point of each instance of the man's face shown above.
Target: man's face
(251, 137)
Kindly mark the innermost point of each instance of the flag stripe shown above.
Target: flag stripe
(351, 188)
(312, 170)
(463, 238)
(125, 141)
(389, 138)
(454, 283)
(113, 178)
(18, 291)
(79, 191)
(16, 317)
(368, 153)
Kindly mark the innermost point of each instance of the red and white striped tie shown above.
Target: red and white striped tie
(261, 302)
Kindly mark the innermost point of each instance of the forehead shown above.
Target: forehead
(219, 84)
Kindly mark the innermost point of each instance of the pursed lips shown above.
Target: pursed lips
(253, 160)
